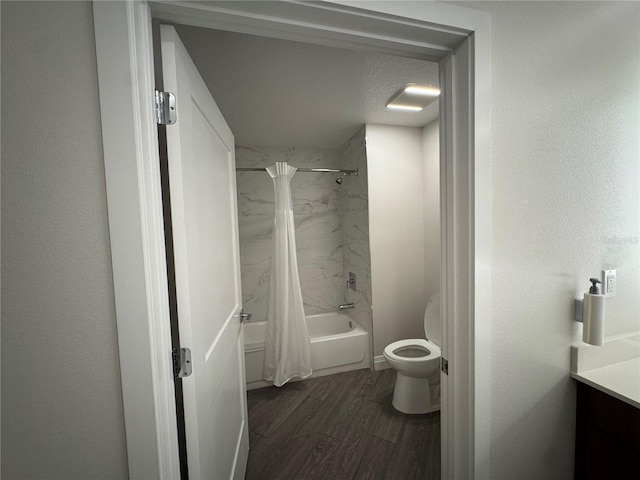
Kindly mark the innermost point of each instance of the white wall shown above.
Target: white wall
(431, 207)
(396, 234)
(565, 172)
(62, 413)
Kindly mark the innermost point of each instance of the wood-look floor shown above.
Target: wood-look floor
(339, 427)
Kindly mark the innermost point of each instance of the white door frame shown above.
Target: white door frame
(458, 38)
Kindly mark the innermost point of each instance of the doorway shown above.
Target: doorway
(457, 38)
(308, 105)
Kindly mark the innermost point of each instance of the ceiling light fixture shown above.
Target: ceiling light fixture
(413, 98)
(408, 108)
(413, 89)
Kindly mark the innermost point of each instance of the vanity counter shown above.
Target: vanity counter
(613, 368)
(607, 409)
(620, 380)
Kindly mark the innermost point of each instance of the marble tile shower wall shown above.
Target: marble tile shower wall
(318, 212)
(355, 228)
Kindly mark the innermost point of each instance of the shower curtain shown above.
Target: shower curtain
(287, 352)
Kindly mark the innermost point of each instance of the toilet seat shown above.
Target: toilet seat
(433, 351)
(417, 387)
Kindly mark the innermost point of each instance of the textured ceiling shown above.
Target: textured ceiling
(281, 93)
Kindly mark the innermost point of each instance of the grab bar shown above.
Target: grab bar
(346, 306)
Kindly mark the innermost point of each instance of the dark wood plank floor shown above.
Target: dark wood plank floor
(339, 427)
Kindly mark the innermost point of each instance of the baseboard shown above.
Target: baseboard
(380, 363)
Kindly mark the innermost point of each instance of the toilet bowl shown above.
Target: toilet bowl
(417, 361)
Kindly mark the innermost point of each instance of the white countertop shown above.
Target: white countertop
(613, 368)
(620, 380)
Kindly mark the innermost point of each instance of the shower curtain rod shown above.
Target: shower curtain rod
(329, 170)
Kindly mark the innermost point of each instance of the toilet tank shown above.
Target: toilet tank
(432, 321)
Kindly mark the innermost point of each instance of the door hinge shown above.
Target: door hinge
(181, 362)
(165, 108)
(244, 317)
(444, 365)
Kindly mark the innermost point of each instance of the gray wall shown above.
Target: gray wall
(565, 166)
(61, 398)
(431, 208)
(396, 224)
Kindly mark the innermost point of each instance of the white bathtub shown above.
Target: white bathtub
(338, 344)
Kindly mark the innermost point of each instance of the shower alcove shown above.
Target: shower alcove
(332, 239)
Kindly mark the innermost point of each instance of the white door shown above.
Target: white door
(202, 182)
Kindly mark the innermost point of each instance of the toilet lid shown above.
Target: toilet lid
(432, 322)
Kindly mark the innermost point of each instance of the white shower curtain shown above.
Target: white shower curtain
(287, 352)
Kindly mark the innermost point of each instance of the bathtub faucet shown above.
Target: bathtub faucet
(346, 306)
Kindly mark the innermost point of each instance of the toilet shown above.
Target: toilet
(417, 362)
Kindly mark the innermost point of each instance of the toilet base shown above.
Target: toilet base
(413, 395)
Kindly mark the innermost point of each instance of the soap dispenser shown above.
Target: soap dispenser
(593, 315)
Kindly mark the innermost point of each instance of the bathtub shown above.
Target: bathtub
(338, 344)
